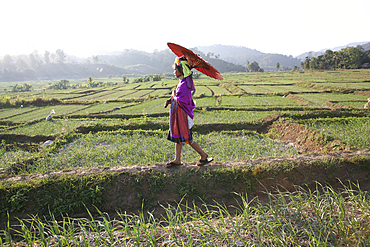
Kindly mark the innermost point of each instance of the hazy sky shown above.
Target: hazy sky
(84, 28)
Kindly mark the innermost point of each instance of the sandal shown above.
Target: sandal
(203, 162)
(172, 164)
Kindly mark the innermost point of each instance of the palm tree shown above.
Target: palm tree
(335, 57)
(328, 56)
(90, 80)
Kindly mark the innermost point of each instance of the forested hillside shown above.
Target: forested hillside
(364, 45)
(240, 55)
(61, 66)
(161, 61)
(346, 58)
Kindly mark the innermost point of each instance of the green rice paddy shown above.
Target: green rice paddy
(216, 103)
(126, 125)
(352, 131)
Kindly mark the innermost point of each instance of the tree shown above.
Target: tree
(8, 63)
(92, 83)
(247, 66)
(366, 57)
(350, 57)
(90, 80)
(210, 54)
(306, 64)
(46, 57)
(21, 63)
(314, 63)
(137, 80)
(277, 66)
(335, 58)
(22, 88)
(59, 85)
(343, 60)
(254, 67)
(157, 78)
(28, 73)
(95, 59)
(321, 62)
(61, 55)
(328, 58)
(355, 56)
(33, 60)
(52, 56)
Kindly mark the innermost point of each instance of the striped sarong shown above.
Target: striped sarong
(179, 125)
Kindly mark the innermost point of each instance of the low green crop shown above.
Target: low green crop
(150, 147)
(320, 217)
(351, 130)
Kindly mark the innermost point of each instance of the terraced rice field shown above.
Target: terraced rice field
(106, 149)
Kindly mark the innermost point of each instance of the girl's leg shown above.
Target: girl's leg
(196, 147)
(178, 148)
(177, 160)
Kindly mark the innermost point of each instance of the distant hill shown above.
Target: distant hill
(240, 55)
(366, 46)
(302, 57)
(58, 71)
(128, 62)
(161, 61)
(226, 51)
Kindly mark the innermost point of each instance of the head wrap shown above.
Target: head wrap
(183, 63)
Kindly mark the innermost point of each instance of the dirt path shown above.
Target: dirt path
(160, 167)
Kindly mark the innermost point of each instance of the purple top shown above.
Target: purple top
(183, 95)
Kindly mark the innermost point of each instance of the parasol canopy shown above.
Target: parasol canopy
(195, 61)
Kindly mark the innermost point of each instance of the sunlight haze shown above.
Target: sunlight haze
(85, 28)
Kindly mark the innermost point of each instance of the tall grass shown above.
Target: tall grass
(58, 126)
(127, 148)
(319, 217)
(146, 107)
(321, 98)
(8, 158)
(230, 116)
(18, 115)
(354, 131)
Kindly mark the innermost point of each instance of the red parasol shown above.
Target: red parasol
(195, 61)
